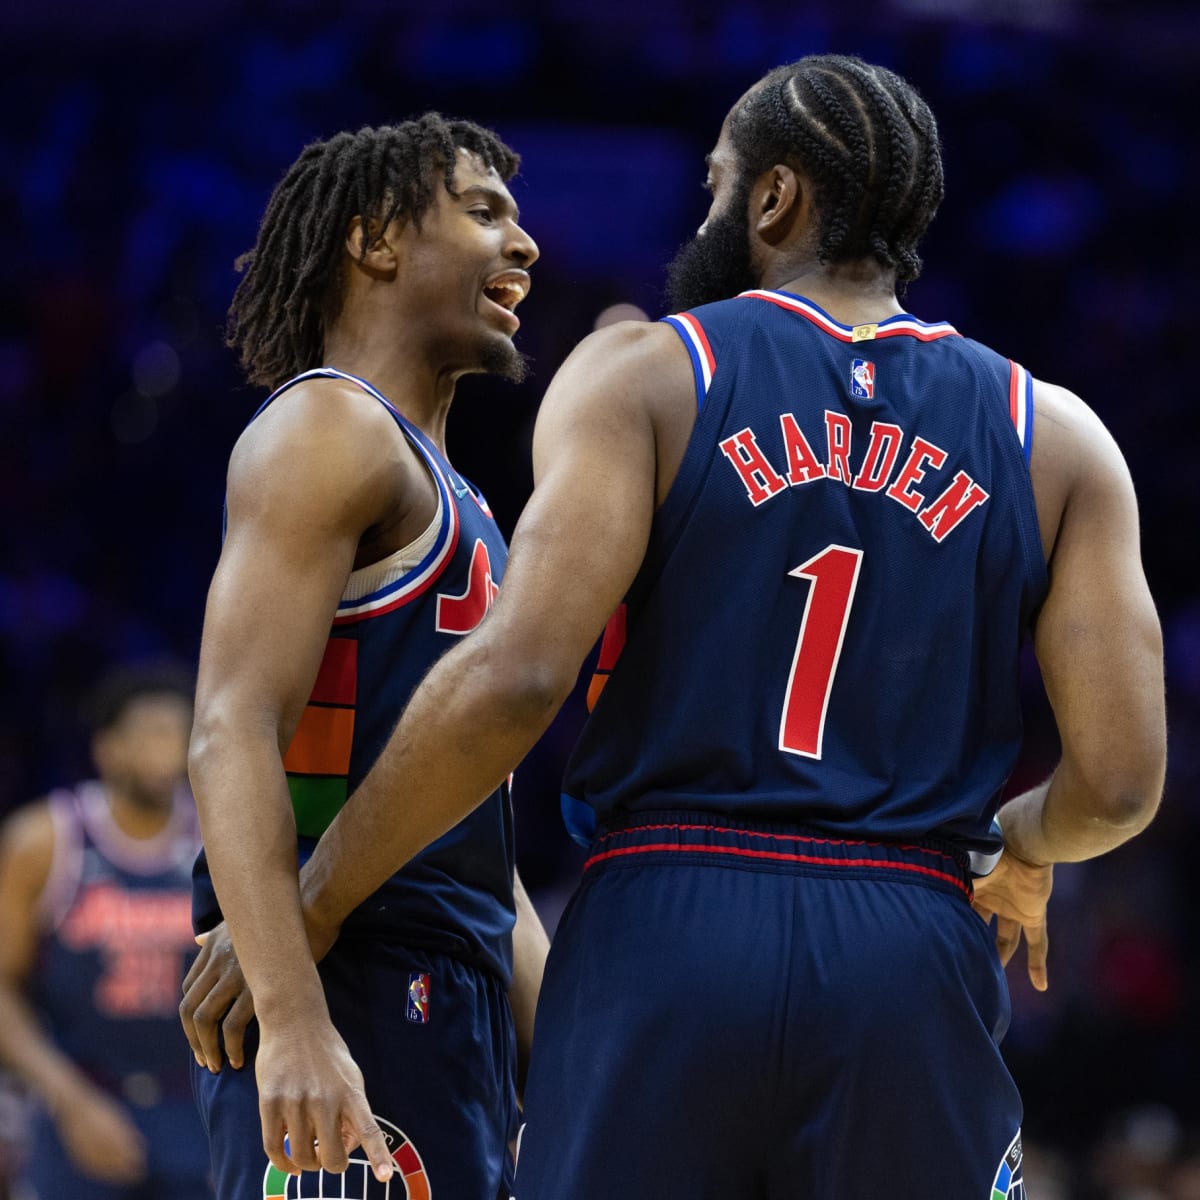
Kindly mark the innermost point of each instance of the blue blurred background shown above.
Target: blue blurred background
(140, 142)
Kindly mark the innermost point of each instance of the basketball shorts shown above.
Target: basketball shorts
(435, 1043)
(747, 1011)
(176, 1159)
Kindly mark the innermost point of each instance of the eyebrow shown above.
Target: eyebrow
(502, 199)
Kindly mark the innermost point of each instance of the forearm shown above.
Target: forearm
(468, 725)
(1064, 820)
(249, 836)
(30, 1055)
(530, 947)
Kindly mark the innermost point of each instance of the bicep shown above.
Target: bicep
(299, 501)
(1097, 636)
(269, 610)
(584, 532)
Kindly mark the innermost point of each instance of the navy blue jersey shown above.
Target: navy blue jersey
(395, 619)
(825, 628)
(115, 944)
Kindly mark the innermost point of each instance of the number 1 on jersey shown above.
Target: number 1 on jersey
(834, 576)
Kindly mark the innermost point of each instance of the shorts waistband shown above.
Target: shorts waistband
(667, 837)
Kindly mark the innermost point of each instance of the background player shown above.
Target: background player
(807, 703)
(391, 255)
(95, 929)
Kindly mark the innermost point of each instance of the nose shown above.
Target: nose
(522, 249)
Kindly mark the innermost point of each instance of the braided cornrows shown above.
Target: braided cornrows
(868, 145)
(292, 282)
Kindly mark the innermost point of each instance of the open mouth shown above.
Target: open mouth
(507, 291)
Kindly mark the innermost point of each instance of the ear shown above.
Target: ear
(381, 258)
(778, 200)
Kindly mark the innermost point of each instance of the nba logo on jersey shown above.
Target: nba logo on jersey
(418, 997)
(862, 379)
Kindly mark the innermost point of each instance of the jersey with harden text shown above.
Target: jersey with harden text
(395, 619)
(825, 628)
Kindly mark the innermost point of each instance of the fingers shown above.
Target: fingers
(274, 1132)
(359, 1128)
(293, 1142)
(233, 1029)
(214, 989)
(1008, 937)
(1037, 948)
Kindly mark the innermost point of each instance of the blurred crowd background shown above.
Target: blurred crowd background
(140, 142)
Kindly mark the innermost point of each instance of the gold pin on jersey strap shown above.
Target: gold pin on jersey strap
(864, 333)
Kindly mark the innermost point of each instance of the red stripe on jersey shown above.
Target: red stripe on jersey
(702, 337)
(780, 856)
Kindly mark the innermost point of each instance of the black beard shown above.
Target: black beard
(502, 358)
(715, 264)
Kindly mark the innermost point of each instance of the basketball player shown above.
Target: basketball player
(815, 531)
(388, 265)
(95, 930)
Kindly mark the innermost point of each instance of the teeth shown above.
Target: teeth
(507, 294)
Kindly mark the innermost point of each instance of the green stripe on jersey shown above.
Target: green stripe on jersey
(316, 801)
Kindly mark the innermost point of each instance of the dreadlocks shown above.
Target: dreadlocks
(868, 144)
(292, 283)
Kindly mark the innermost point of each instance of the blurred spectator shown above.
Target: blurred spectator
(95, 932)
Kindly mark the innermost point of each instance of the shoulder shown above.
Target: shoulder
(324, 442)
(1080, 479)
(312, 419)
(27, 847)
(1069, 438)
(631, 362)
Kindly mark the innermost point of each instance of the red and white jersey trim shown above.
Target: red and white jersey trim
(900, 325)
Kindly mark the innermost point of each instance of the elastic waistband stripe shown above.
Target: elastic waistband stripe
(779, 856)
(760, 833)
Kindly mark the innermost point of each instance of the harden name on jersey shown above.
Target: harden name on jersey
(877, 470)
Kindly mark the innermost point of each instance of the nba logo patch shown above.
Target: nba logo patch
(862, 379)
(418, 997)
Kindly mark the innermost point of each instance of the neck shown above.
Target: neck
(138, 816)
(854, 293)
(420, 384)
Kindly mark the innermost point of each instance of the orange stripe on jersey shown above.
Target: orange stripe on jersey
(322, 742)
(337, 679)
(611, 646)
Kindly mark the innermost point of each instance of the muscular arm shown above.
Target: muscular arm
(306, 480)
(1099, 646)
(597, 465)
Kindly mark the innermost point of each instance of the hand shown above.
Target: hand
(215, 994)
(310, 1089)
(100, 1138)
(1016, 894)
(216, 1002)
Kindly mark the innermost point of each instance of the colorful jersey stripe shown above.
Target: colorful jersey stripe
(900, 325)
(1020, 407)
(704, 364)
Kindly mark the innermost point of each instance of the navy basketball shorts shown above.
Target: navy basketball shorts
(744, 1011)
(435, 1043)
(176, 1159)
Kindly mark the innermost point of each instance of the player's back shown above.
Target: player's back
(825, 629)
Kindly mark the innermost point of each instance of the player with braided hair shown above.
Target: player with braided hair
(388, 265)
(813, 532)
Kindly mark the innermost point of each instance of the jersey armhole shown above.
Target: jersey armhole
(1020, 407)
(66, 861)
(704, 364)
